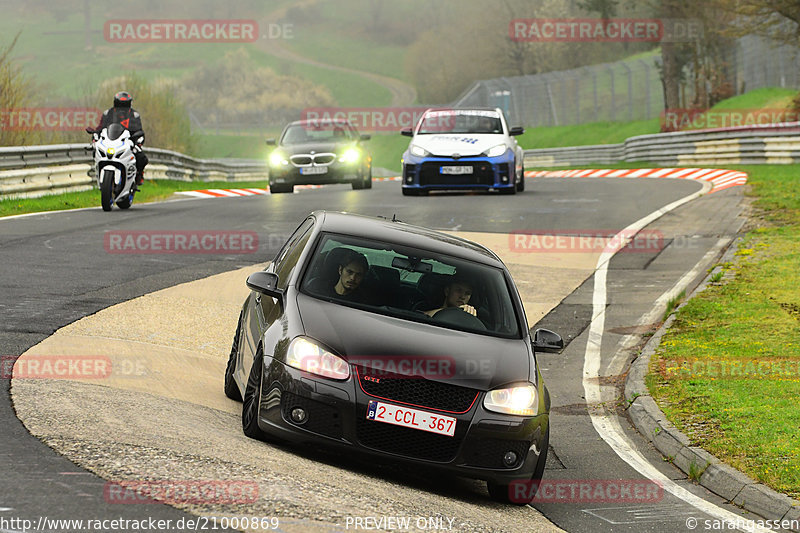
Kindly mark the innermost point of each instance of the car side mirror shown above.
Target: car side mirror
(365, 136)
(516, 130)
(408, 132)
(271, 142)
(545, 340)
(265, 283)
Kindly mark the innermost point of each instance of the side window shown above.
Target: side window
(291, 251)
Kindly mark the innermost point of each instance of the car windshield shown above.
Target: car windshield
(461, 121)
(315, 132)
(412, 284)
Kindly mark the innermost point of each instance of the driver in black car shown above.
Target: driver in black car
(457, 293)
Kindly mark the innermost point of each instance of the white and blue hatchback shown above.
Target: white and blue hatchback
(463, 149)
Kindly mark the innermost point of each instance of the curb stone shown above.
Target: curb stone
(699, 465)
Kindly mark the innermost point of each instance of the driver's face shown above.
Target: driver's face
(350, 276)
(457, 294)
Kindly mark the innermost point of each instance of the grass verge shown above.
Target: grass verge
(152, 191)
(727, 373)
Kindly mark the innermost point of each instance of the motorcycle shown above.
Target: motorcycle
(115, 165)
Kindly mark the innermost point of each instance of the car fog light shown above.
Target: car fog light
(510, 459)
(505, 179)
(299, 415)
(409, 179)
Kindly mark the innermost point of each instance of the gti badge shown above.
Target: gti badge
(372, 379)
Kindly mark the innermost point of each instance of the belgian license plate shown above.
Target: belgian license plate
(411, 418)
(460, 169)
(313, 170)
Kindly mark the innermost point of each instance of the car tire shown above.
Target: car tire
(231, 389)
(521, 184)
(252, 399)
(368, 181)
(499, 492)
(509, 190)
(358, 184)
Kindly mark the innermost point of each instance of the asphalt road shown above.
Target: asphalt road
(56, 270)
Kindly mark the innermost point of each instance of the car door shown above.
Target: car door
(261, 310)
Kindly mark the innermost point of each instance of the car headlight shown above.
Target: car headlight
(522, 400)
(419, 151)
(277, 158)
(351, 155)
(496, 151)
(306, 355)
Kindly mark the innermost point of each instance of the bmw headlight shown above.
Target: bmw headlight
(522, 400)
(277, 158)
(304, 354)
(351, 155)
(496, 151)
(419, 151)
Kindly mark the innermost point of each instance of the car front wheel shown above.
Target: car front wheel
(252, 400)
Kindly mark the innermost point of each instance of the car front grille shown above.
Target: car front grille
(407, 441)
(417, 391)
(491, 452)
(322, 419)
(482, 173)
(304, 160)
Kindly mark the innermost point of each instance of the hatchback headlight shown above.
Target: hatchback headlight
(304, 354)
(419, 151)
(496, 151)
(522, 400)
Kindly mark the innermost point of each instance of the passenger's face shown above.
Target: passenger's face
(457, 294)
(350, 276)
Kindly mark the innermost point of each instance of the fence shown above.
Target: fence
(621, 91)
(31, 171)
(769, 144)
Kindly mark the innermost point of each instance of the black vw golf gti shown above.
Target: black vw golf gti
(397, 341)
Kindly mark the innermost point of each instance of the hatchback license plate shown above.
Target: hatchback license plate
(411, 418)
(461, 169)
(313, 170)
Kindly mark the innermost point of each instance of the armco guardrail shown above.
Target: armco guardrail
(747, 145)
(30, 171)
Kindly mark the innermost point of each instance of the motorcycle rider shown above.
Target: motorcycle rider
(122, 113)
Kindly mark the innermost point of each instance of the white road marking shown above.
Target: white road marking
(608, 427)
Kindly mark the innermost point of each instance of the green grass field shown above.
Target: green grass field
(749, 316)
(152, 191)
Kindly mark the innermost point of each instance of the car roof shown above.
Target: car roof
(471, 108)
(382, 229)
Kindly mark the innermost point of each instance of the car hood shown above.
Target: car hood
(463, 144)
(389, 344)
(307, 148)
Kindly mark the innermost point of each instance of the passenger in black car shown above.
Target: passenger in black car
(352, 266)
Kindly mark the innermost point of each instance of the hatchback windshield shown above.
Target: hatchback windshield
(461, 121)
(413, 284)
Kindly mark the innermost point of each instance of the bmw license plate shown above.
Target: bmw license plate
(313, 170)
(456, 170)
(411, 418)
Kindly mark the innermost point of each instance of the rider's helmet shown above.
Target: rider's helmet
(123, 99)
